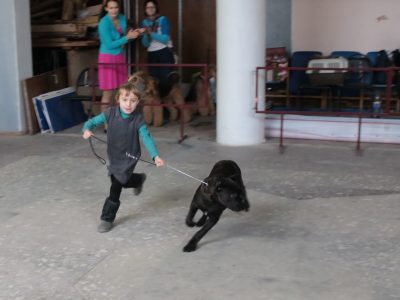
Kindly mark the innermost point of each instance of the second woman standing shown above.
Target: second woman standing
(157, 40)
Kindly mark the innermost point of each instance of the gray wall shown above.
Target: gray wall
(15, 62)
(279, 23)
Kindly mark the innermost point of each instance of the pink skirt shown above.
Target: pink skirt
(112, 76)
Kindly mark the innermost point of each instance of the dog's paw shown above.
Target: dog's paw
(190, 247)
(190, 223)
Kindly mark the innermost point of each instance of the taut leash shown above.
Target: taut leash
(103, 161)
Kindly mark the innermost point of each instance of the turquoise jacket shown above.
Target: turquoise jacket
(144, 132)
(111, 41)
(161, 31)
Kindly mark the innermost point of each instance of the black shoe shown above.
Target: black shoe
(138, 190)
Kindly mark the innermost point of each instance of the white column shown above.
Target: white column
(241, 42)
(15, 62)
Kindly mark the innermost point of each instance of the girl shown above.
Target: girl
(158, 42)
(125, 125)
(113, 36)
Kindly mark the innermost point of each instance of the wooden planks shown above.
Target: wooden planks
(64, 30)
(45, 9)
(59, 43)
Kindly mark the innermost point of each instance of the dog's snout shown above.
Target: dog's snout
(242, 203)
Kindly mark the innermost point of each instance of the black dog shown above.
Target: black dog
(224, 189)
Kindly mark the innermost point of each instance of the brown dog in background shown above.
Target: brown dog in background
(153, 115)
(175, 96)
(200, 95)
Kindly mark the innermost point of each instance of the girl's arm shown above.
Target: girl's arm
(145, 37)
(94, 122)
(148, 141)
(106, 39)
(165, 29)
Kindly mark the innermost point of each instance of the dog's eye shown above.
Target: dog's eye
(219, 189)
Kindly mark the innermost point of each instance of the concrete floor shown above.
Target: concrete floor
(324, 222)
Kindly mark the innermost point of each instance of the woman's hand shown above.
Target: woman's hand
(132, 34)
(159, 162)
(87, 134)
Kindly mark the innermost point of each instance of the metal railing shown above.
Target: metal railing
(390, 72)
(180, 107)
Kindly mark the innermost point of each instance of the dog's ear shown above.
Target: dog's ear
(218, 184)
(237, 178)
(213, 183)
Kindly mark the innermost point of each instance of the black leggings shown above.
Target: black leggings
(116, 187)
(111, 205)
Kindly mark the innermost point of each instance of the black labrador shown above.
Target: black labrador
(224, 189)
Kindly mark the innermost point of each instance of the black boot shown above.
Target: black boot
(138, 190)
(108, 214)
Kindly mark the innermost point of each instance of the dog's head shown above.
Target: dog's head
(140, 80)
(152, 87)
(227, 192)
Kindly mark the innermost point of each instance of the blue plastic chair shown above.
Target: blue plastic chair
(298, 79)
(356, 82)
(299, 83)
(380, 89)
(354, 78)
(345, 54)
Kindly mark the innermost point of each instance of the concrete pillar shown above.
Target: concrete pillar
(241, 43)
(15, 62)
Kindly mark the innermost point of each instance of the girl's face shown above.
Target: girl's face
(128, 101)
(150, 9)
(112, 8)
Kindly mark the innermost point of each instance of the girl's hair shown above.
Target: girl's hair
(129, 87)
(103, 10)
(155, 2)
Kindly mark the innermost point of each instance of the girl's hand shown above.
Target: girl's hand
(159, 162)
(132, 34)
(87, 134)
(141, 30)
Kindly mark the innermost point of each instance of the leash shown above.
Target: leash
(103, 161)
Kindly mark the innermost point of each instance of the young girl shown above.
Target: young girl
(125, 125)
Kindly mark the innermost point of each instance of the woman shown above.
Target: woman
(158, 43)
(113, 36)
